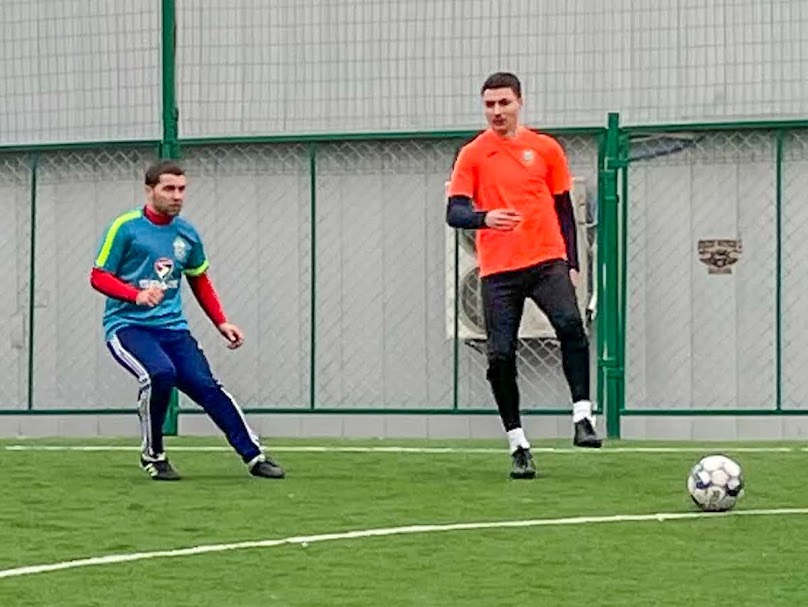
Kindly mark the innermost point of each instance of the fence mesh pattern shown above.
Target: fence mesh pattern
(702, 271)
(378, 273)
(78, 195)
(335, 259)
(795, 251)
(251, 205)
(247, 67)
(15, 251)
(79, 71)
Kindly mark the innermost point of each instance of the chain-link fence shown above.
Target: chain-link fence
(329, 245)
(15, 266)
(248, 67)
(109, 70)
(794, 252)
(333, 256)
(379, 291)
(251, 204)
(336, 259)
(79, 71)
(55, 206)
(77, 195)
(716, 235)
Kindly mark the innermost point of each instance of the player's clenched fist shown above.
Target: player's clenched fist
(150, 297)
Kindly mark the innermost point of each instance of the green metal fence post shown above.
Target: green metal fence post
(622, 310)
(778, 319)
(312, 154)
(33, 161)
(169, 146)
(600, 383)
(456, 324)
(610, 359)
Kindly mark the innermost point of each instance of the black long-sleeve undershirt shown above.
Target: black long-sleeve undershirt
(460, 214)
(566, 221)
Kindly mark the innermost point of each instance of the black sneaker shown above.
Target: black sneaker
(522, 464)
(159, 469)
(267, 468)
(585, 435)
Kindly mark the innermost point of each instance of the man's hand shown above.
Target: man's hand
(232, 334)
(502, 219)
(574, 277)
(150, 297)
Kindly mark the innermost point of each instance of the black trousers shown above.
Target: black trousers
(548, 284)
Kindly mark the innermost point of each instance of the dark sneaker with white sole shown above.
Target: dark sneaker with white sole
(585, 435)
(523, 466)
(267, 468)
(159, 469)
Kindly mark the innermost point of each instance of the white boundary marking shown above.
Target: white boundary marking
(400, 449)
(305, 540)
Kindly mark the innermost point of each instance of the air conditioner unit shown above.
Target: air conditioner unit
(471, 324)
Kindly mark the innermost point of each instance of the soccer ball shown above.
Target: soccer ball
(716, 483)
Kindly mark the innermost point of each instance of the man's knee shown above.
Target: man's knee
(164, 378)
(570, 328)
(199, 384)
(501, 367)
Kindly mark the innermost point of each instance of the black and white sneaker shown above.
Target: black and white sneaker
(159, 468)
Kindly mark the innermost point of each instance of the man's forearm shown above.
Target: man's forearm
(112, 286)
(460, 214)
(208, 299)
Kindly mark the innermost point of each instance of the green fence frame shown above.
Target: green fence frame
(312, 141)
(611, 269)
(779, 129)
(171, 146)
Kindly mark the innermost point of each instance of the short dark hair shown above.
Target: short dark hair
(502, 80)
(162, 167)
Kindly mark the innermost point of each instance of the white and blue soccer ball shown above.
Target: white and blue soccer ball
(716, 483)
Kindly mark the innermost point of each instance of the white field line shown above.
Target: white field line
(305, 540)
(415, 450)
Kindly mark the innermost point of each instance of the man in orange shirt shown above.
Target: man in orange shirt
(512, 185)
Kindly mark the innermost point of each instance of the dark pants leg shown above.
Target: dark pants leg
(139, 351)
(194, 378)
(549, 285)
(503, 301)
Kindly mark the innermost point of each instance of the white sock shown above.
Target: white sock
(581, 410)
(516, 439)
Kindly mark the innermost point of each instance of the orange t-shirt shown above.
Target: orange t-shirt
(522, 173)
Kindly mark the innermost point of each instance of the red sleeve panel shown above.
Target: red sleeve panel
(112, 286)
(207, 297)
